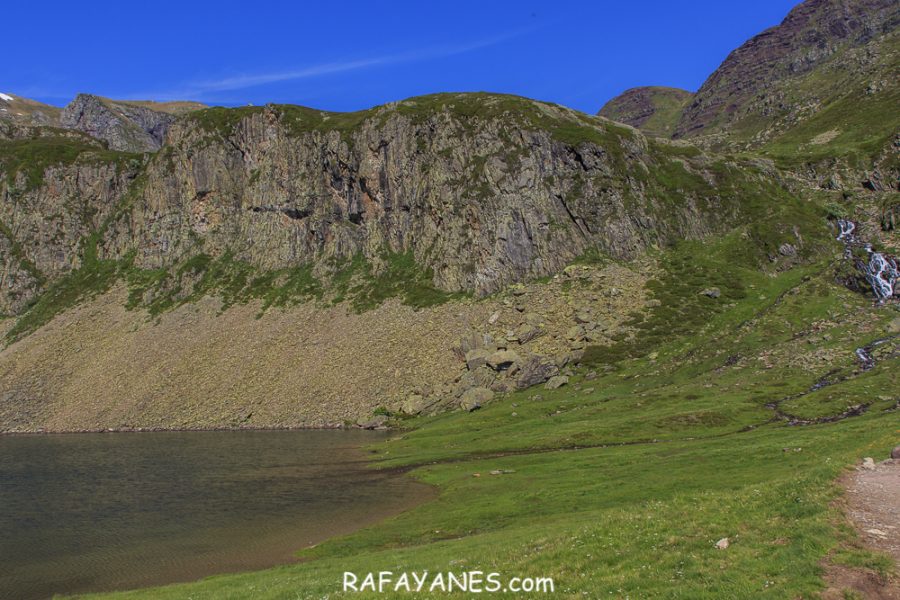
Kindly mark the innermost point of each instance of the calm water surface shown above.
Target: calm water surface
(97, 512)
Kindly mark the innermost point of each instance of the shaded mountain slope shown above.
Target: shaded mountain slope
(654, 110)
(817, 93)
(754, 82)
(26, 111)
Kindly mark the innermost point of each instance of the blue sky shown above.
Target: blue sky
(351, 55)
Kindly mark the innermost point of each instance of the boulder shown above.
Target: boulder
(895, 453)
(470, 341)
(712, 292)
(787, 250)
(723, 544)
(527, 332)
(372, 422)
(413, 404)
(556, 382)
(582, 318)
(536, 320)
(575, 333)
(503, 386)
(502, 360)
(894, 326)
(534, 370)
(475, 398)
(868, 463)
(477, 358)
(484, 376)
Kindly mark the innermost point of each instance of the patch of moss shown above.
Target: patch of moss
(32, 157)
(17, 253)
(367, 286)
(93, 277)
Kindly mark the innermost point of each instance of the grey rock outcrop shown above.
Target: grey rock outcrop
(475, 398)
(557, 382)
(535, 370)
(126, 127)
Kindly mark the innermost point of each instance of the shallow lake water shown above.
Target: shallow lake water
(97, 512)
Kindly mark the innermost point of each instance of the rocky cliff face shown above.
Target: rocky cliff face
(483, 190)
(653, 110)
(56, 189)
(479, 191)
(124, 126)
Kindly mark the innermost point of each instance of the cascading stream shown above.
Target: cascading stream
(881, 271)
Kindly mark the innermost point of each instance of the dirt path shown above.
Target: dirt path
(872, 504)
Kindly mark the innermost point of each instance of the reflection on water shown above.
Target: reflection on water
(95, 512)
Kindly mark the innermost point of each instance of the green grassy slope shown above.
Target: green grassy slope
(620, 483)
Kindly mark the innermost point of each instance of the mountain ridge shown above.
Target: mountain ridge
(814, 93)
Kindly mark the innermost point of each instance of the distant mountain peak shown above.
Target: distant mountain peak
(653, 109)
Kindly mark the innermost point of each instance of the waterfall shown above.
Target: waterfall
(881, 271)
(847, 229)
(882, 274)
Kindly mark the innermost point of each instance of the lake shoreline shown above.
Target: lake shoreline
(330, 427)
(281, 476)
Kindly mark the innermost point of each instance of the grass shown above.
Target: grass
(366, 285)
(92, 277)
(471, 110)
(863, 126)
(357, 281)
(232, 280)
(33, 156)
(361, 283)
(620, 483)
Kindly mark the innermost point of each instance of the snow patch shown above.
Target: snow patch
(6, 97)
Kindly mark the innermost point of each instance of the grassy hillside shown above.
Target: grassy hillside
(620, 483)
(654, 110)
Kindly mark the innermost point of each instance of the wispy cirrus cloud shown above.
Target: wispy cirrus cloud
(203, 89)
